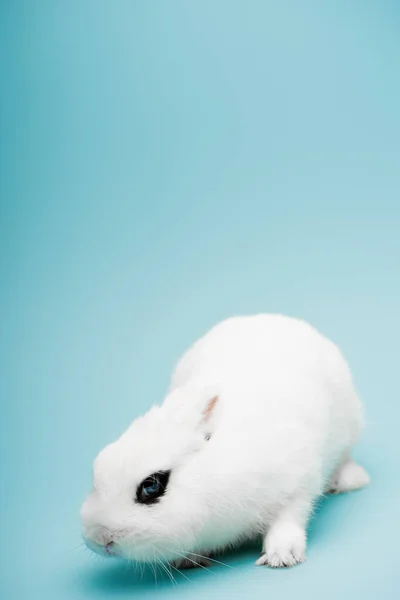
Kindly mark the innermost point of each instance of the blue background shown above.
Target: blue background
(166, 164)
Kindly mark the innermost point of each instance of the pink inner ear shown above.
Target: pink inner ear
(210, 407)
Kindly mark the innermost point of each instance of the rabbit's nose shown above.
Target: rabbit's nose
(109, 546)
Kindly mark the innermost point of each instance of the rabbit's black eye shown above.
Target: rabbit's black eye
(153, 487)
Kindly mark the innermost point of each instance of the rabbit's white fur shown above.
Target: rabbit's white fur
(283, 424)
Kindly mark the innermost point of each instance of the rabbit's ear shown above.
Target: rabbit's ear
(192, 405)
(209, 408)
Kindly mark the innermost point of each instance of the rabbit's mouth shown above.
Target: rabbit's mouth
(109, 549)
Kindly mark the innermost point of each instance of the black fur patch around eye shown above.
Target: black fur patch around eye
(153, 488)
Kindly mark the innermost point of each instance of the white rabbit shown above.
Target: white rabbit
(259, 421)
